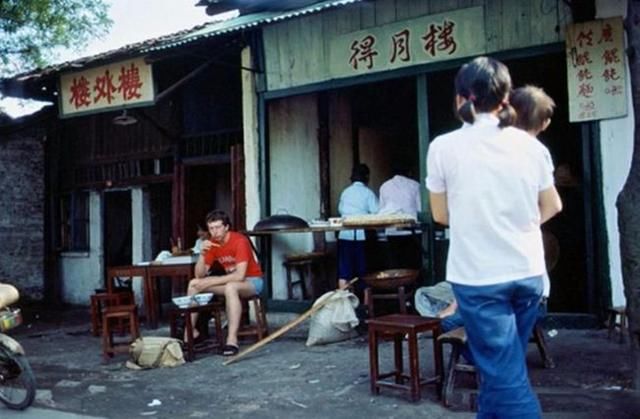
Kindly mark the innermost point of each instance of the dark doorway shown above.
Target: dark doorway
(117, 228)
(160, 203)
(207, 187)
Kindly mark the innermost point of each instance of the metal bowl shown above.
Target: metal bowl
(280, 222)
(391, 278)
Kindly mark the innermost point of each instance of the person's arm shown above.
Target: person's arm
(439, 208)
(211, 281)
(549, 203)
(201, 268)
(448, 310)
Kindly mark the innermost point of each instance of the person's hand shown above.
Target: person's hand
(196, 285)
(205, 246)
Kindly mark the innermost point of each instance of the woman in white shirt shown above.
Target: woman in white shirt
(493, 185)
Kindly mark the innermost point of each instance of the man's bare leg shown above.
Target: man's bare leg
(233, 292)
(219, 290)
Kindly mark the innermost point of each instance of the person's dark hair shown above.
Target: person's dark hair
(485, 84)
(533, 107)
(360, 173)
(218, 215)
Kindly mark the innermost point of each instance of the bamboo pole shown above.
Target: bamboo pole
(284, 329)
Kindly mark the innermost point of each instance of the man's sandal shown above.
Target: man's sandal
(230, 350)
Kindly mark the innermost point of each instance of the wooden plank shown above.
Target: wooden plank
(271, 58)
(367, 15)
(564, 18)
(493, 25)
(543, 19)
(385, 11)
(515, 29)
(439, 6)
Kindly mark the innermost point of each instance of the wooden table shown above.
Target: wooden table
(150, 274)
(265, 236)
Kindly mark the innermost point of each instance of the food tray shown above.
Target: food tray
(391, 278)
(377, 219)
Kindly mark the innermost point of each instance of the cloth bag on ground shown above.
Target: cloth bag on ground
(155, 352)
(430, 300)
(335, 321)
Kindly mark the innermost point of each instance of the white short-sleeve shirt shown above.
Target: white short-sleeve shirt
(492, 178)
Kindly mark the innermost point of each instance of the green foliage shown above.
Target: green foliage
(32, 30)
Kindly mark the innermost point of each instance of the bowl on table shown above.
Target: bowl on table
(391, 278)
(182, 302)
(203, 298)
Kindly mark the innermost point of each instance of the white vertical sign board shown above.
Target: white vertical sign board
(596, 70)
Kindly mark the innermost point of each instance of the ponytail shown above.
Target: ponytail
(507, 115)
(467, 112)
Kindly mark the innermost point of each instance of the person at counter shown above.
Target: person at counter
(356, 199)
(242, 276)
(401, 195)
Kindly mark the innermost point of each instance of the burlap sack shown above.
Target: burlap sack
(155, 352)
(335, 321)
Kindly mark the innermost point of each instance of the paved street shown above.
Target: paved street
(287, 379)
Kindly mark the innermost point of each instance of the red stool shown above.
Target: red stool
(259, 329)
(397, 326)
(112, 318)
(100, 300)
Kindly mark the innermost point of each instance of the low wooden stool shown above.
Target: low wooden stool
(100, 300)
(112, 316)
(400, 294)
(457, 338)
(397, 326)
(612, 321)
(303, 264)
(214, 308)
(259, 329)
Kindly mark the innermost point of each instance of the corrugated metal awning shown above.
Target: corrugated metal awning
(175, 40)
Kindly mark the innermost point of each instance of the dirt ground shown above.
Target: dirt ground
(288, 379)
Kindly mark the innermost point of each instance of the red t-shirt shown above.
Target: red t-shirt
(236, 250)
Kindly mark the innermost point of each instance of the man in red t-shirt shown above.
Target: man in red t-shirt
(242, 275)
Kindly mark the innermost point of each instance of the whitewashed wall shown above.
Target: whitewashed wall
(616, 137)
(294, 175)
(82, 272)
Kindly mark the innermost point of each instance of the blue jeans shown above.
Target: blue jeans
(498, 320)
(453, 322)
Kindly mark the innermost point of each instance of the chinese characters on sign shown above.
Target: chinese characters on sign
(115, 85)
(455, 34)
(596, 70)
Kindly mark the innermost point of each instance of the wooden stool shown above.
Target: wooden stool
(259, 329)
(538, 338)
(112, 316)
(100, 300)
(401, 295)
(399, 325)
(612, 321)
(457, 338)
(214, 308)
(303, 264)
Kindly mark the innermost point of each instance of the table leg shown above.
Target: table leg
(373, 360)
(414, 366)
(397, 353)
(437, 354)
(152, 302)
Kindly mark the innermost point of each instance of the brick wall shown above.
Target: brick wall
(22, 210)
